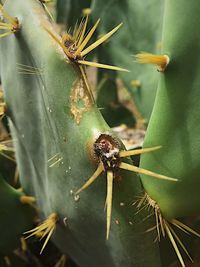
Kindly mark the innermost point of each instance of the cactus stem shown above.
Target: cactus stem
(129, 167)
(12, 23)
(164, 226)
(147, 58)
(27, 200)
(45, 229)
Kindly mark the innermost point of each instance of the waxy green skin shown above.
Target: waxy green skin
(69, 11)
(174, 122)
(42, 127)
(141, 31)
(15, 217)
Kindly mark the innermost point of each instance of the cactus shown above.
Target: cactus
(71, 164)
(141, 32)
(111, 105)
(69, 10)
(56, 152)
(180, 154)
(173, 122)
(16, 217)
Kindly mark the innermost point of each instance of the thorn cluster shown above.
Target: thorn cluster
(164, 227)
(110, 157)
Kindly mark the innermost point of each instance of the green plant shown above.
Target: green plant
(173, 122)
(55, 152)
(67, 141)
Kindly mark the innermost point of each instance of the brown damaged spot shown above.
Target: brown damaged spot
(80, 100)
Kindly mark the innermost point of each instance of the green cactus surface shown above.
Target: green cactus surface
(142, 24)
(55, 124)
(173, 124)
(16, 217)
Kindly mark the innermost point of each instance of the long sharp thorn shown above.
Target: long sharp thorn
(129, 167)
(47, 239)
(87, 38)
(102, 66)
(157, 224)
(49, 13)
(174, 244)
(5, 24)
(4, 27)
(86, 82)
(180, 242)
(185, 227)
(105, 205)
(109, 201)
(100, 41)
(138, 151)
(91, 179)
(83, 31)
(5, 34)
(58, 41)
(161, 224)
(5, 14)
